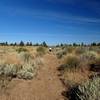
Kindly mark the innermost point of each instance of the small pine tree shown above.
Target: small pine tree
(27, 44)
(74, 44)
(82, 44)
(61, 45)
(44, 44)
(57, 45)
(93, 44)
(98, 44)
(30, 44)
(6, 43)
(15, 44)
(21, 43)
(37, 44)
(11, 44)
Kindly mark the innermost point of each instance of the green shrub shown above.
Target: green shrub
(2, 69)
(71, 62)
(61, 53)
(25, 75)
(7, 72)
(88, 57)
(27, 72)
(8, 69)
(19, 50)
(41, 50)
(89, 90)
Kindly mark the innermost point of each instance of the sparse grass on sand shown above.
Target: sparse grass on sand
(21, 64)
(18, 62)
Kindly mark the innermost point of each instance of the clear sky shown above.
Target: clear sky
(53, 21)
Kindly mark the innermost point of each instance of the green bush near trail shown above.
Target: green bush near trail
(89, 90)
(41, 50)
(71, 62)
(19, 50)
(26, 71)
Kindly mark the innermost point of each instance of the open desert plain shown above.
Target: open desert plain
(35, 73)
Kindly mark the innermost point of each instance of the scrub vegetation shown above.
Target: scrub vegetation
(73, 70)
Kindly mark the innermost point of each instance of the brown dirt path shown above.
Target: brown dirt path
(46, 85)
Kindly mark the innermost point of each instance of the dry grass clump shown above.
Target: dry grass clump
(61, 53)
(95, 65)
(97, 60)
(38, 61)
(80, 50)
(4, 82)
(71, 62)
(72, 78)
(71, 71)
(19, 50)
(88, 58)
(25, 57)
(96, 49)
(89, 55)
(70, 49)
(41, 51)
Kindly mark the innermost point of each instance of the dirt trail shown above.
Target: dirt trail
(46, 85)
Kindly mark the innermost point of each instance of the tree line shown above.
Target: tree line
(45, 44)
(78, 44)
(23, 44)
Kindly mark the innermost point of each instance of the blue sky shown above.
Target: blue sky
(53, 21)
